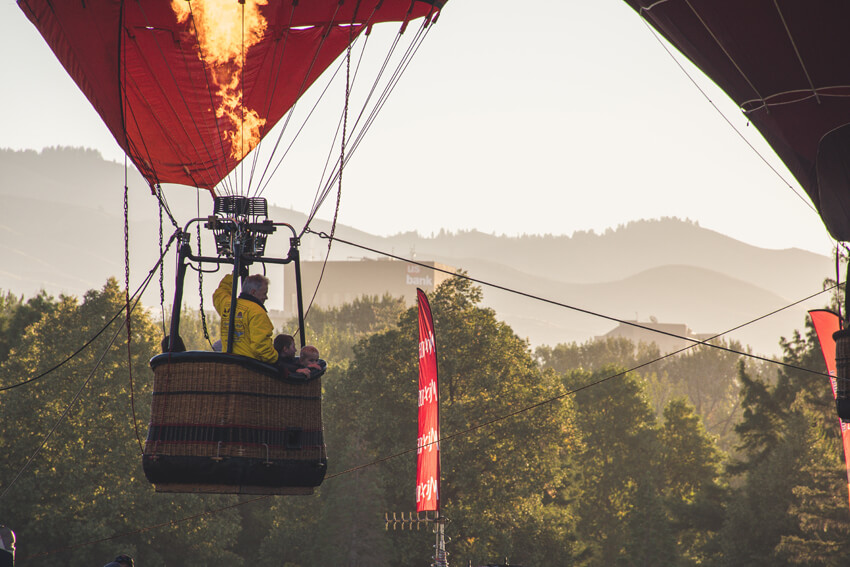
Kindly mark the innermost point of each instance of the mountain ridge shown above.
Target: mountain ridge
(62, 225)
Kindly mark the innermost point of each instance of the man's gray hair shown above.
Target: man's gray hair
(254, 283)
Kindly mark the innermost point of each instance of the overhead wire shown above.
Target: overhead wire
(588, 311)
(458, 434)
(93, 338)
(500, 418)
(82, 387)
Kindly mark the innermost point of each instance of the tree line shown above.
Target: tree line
(594, 454)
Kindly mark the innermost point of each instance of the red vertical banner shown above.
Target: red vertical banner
(826, 323)
(428, 444)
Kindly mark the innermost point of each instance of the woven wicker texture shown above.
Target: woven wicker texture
(218, 409)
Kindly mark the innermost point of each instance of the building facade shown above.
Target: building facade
(669, 337)
(345, 281)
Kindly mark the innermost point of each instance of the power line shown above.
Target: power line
(102, 330)
(494, 420)
(80, 390)
(597, 314)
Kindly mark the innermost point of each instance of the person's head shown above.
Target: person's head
(309, 355)
(124, 560)
(256, 286)
(285, 345)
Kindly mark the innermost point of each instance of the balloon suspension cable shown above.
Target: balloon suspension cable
(161, 273)
(128, 319)
(339, 184)
(242, 105)
(392, 81)
(301, 89)
(344, 131)
(843, 311)
(201, 277)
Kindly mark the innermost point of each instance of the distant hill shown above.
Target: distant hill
(62, 229)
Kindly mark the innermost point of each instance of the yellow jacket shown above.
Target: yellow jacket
(252, 327)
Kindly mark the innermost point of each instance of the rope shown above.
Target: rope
(339, 190)
(323, 189)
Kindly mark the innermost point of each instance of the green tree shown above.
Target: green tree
(16, 316)
(820, 506)
(695, 490)
(650, 493)
(619, 441)
(336, 330)
(708, 378)
(596, 354)
(497, 480)
(86, 483)
(703, 374)
(785, 428)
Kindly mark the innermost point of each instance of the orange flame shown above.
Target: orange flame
(219, 28)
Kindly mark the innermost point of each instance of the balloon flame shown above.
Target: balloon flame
(224, 37)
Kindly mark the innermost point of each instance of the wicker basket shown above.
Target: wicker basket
(842, 378)
(229, 424)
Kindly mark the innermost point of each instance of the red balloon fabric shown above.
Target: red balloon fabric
(782, 62)
(181, 113)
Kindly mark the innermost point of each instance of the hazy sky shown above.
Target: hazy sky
(545, 116)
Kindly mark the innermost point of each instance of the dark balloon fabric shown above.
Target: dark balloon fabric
(144, 72)
(784, 63)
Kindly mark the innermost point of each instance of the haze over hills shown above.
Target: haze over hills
(62, 227)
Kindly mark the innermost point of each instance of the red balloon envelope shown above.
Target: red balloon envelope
(784, 63)
(188, 91)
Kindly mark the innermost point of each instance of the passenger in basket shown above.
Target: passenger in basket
(253, 329)
(310, 363)
(286, 361)
(285, 347)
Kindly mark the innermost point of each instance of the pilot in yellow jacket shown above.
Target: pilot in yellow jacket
(252, 327)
